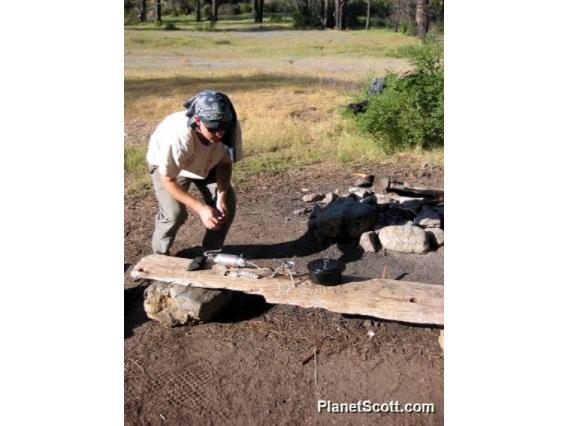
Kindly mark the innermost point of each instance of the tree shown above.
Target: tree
(142, 10)
(422, 17)
(158, 10)
(259, 11)
(367, 22)
(214, 10)
(326, 14)
(340, 14)
(198, 10)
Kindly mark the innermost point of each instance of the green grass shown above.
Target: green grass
(288, 88)
(136, 173)
(270, 44)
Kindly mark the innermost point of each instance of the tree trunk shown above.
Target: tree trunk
(213, 12)
(367, 22)
(395, 15)
(254, 10)
(142, 10)
(216, 9)
(158, 10)
(186, 8)
(422, 17)
(198, 10)
(337, 15)
(174, 5)
(340, 14)
(260, 10)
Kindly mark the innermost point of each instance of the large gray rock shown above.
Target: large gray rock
(428, 218)
(345, 219)
(174, 304)
(405, 239)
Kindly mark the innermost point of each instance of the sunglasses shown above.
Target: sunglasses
(222, 126)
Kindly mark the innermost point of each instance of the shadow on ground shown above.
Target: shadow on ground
(306, 245)
(243, 307)
(134, 314)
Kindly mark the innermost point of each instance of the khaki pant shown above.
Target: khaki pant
(173, 214)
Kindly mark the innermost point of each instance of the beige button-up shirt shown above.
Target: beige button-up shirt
(177, 150)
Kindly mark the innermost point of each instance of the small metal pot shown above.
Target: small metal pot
(326, 271)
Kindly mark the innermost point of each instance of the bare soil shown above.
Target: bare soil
(245, 367)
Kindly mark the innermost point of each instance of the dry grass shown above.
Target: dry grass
(287, 86)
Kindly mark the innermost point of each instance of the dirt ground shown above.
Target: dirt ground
(245, 367)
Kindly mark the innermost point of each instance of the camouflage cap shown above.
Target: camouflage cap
(213, 108)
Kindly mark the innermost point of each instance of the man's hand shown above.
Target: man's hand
(224, 171)
(210, 217)
(222, 208)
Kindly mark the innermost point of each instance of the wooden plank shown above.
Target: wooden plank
(381, 298)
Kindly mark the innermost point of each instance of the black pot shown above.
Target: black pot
(326, 271)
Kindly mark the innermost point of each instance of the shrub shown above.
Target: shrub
(170, 26)
(228, 9)
(408, 27)
(276, 18)
(246, 7)
(306, 19)
(278, 6)
(409, 112)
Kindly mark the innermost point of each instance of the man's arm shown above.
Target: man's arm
(223, 177)
(207, 214)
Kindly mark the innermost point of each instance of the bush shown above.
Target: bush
(305, 20)
(170, 26)
(408, 27)
(278, 6)
(246, 8)
(228, 9)
(409, 112)
(276, 18)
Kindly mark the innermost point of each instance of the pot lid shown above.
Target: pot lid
(326, 265)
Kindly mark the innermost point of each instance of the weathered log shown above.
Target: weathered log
(414, 191)
(388, 299)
